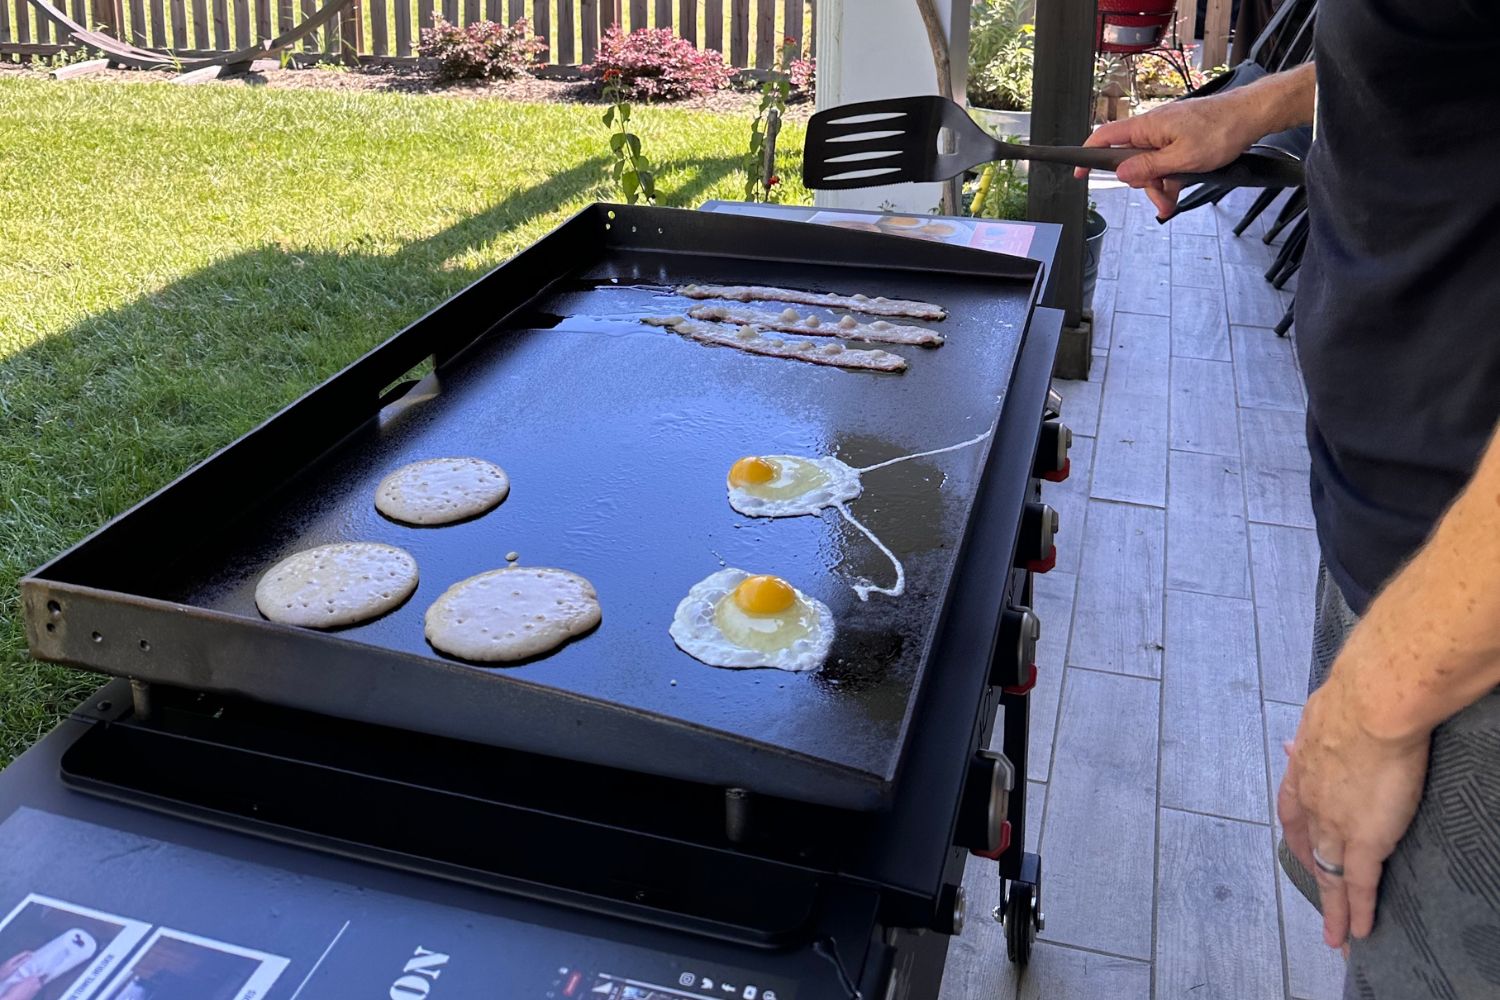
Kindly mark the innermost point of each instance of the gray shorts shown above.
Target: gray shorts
(1437, 921)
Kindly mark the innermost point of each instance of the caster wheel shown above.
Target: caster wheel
(1020, 923)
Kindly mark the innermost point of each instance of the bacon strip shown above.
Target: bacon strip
(746, 338)
(790, 321)
(878, 306)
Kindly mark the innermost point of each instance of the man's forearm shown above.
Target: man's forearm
(1434, 632)
(1279, 101)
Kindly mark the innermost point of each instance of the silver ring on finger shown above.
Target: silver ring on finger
(1327, 867)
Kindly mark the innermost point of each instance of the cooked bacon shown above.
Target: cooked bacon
(878, 306)
(790, 321)
(747, 338)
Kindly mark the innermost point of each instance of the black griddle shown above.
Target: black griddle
(617, 438)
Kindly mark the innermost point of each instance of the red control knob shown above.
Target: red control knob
(985, 802)
(1015, 648)
(1052, 452)
(1036, 549)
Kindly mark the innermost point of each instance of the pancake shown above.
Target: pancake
(441, 490)
(334, 585)
(511, 614)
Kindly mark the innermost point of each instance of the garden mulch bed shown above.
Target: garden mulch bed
(736, 100)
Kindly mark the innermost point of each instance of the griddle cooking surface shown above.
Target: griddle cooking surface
(617, 438)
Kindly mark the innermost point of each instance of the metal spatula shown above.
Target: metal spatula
(888, 142)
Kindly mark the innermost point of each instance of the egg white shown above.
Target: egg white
(697, 634)
(842, 486)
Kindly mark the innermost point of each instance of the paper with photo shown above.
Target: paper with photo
(70, 948)
(176, 963)
(1012, 238)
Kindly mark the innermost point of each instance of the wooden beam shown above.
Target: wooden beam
(739, 33)
(796, 11)
(1216, 33)
(713, 25)
(403, 28)
(1062, 91)
(379, 40)
(588, 30)
(158, 18)
(564, 45)
(541, 24)
(766, 42)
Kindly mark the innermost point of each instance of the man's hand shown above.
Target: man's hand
(1205, 133)
(1178, 138)
(1350, 795)
(13, 963)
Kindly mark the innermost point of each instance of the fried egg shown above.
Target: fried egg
(788, 485)
(736, 619)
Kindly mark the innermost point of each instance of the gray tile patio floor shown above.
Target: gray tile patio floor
(1176, 634)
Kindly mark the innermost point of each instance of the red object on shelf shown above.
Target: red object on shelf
(1132, 26)
(1058, 475)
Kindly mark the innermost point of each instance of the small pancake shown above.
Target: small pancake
(511, 614)
(334, 585)
(441, 490)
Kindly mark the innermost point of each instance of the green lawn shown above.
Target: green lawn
(176, 263)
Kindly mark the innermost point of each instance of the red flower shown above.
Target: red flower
(789, 40)
(773, 181)
(611, 74)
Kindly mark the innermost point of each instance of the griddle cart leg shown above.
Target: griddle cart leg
(1020, 909)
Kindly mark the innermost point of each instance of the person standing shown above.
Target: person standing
(1392, 792)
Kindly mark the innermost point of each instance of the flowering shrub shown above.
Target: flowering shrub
(1159, 77)
(804, 74)
(654, 65)
(482, 50)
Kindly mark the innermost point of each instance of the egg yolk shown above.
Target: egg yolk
(764, 595)
(750, 470)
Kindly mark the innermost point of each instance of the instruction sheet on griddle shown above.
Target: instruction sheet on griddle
(94, 913)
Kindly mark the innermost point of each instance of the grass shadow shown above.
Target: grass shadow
(102, 414)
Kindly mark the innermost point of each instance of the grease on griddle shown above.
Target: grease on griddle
(865, 657)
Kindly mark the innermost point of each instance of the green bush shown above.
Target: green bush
(1001, 47)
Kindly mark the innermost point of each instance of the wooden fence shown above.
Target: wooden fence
(748, 32)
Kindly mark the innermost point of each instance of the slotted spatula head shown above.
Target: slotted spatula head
(890, 142)
(902, 139)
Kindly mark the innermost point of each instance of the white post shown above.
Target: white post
(874, 49)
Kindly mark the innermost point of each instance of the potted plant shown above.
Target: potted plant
(1000, 193)
(1094, 229)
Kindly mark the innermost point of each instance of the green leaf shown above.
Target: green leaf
(648, 183)
(609, 118)
(641, 163)
(635, 146)
(625, 112)
(617, 142)
(618, 170)
(631, 182)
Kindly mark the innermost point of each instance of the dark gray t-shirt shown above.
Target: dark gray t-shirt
(1398, 304)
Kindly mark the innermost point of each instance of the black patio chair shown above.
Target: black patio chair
(1290, 209)
(1290, 258)
(1286, 41)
